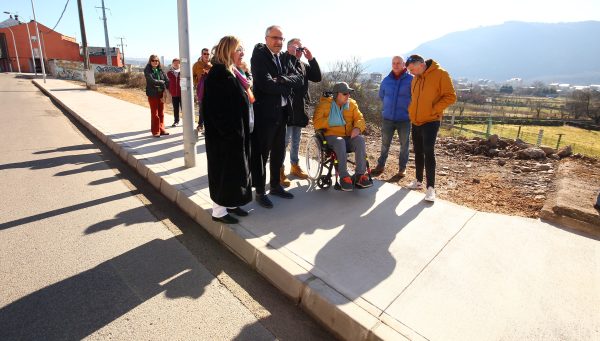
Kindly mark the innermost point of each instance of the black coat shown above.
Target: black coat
(155, 87)
(270, 85)
(226, 114)
(299, 117)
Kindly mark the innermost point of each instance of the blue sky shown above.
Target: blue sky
(333, 30)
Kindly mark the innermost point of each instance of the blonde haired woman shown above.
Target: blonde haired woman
(226, 109)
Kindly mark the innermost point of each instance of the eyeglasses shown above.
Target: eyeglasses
(345, 93)
(239, 49)
(206, 54)
(282, 39)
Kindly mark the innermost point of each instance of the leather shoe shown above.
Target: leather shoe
(264, 201)
(280, 192)
(165, 133)
(238, 211)
(226, 219)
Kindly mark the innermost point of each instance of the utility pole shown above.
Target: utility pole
(90, 82)
(108, 59)
(122, 49)
(84, 45)
(37, 30)
(187, 97)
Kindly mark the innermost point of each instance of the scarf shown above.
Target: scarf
(156, 73)
(336, 115)
(245, 84)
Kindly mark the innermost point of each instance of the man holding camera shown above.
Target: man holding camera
(299, 116)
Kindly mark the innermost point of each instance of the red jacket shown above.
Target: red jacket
(174, 87)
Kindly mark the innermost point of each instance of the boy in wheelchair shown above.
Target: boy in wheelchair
(342, 124)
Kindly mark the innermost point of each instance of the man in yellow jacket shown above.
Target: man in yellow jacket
(431, 92)
(199, 71)
(343, 124)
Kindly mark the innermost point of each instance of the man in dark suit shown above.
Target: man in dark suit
(274, 78)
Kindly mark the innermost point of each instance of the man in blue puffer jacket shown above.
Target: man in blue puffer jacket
(395, 94)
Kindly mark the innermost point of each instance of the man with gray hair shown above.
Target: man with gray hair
(274, 78)
(394, 92)
(299, 116)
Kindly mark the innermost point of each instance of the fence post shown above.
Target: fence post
(519, 132)
(559, 138)
(540, 135)
(452, 122)
(489, 127)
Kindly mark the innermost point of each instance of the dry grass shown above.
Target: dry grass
(134, 80)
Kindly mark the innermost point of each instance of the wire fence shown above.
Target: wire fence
(586, 142)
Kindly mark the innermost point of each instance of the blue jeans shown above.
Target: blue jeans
(387, 133)
(293, 133)
(342, 145)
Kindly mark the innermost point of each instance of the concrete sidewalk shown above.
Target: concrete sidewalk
(377, 263)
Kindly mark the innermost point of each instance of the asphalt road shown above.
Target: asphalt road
(88, 249)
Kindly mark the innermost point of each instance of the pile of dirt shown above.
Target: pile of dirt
(491, 175)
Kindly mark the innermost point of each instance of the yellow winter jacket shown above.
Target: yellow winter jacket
(353, 117)
(431, 93)
(198, 70)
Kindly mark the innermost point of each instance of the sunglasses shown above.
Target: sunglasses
(346, 93)
(154, 60)
(206, 54)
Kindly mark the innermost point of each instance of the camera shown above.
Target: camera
(300, 49)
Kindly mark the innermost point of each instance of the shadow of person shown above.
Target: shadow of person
(82, 304)
(137, 215)
(348, 237)
(360, 257)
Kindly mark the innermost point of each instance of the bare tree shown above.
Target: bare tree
(584, 103)
(365, 91)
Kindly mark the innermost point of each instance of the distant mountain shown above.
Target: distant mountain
(562, 52)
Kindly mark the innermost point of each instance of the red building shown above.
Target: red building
(55, 46)
(98, 56)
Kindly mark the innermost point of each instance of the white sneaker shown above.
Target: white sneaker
(430, 194)
(415, 185)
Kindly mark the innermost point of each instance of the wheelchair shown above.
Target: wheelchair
(321, 160)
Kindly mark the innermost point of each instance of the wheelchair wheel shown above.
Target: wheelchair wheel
(314, 158)
(324, 182)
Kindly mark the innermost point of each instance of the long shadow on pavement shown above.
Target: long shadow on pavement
(80, 305)
(65, 210)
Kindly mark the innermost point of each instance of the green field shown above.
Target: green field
(586, 142)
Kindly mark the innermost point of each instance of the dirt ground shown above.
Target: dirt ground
(489, 184)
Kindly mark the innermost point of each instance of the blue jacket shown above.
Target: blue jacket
(395, 94)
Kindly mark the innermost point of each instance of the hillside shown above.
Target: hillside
(561, 52)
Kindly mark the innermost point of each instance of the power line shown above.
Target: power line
(59, 19)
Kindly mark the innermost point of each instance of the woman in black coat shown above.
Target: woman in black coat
(227, 134)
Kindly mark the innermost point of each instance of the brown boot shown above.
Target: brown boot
(377, 171)
(283, 181)
(298, 172)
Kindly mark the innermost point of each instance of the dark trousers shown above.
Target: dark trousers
(176, 107)
(423, 137)
(200, 114)
(268, 143)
